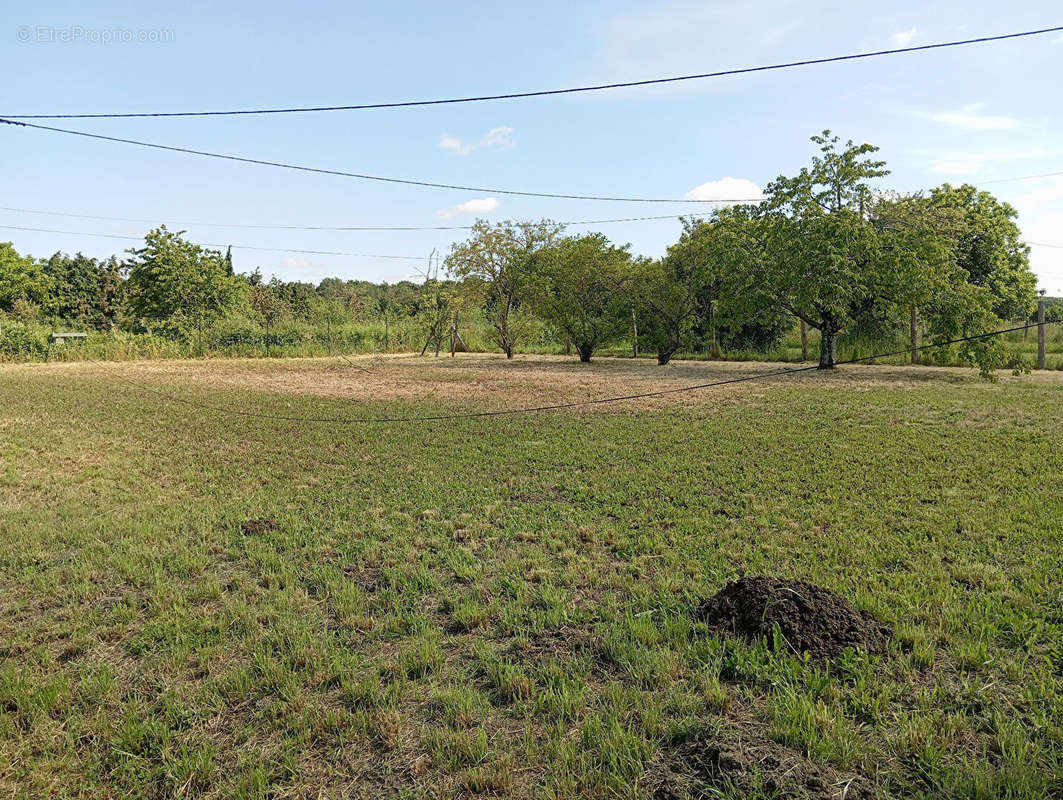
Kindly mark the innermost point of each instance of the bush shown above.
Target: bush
(21, 342)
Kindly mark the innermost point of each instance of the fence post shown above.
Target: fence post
(804, 340)
(913, 331)
(1042, 361)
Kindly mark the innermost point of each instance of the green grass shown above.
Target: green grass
(503, 607)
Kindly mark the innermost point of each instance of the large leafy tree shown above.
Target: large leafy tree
(171, 277)
(987, 246)
(21, 278)
(586, 290)
(500, 264)
(827, 249)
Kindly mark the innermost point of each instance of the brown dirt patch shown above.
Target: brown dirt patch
(811, 619)
(491, 382)
(259, 526)
(751, 765)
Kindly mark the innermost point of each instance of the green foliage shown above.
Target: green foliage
(20, 277)
(500, 266)
(987, 246)
(172, 278)
(584, 291)
(826, 250)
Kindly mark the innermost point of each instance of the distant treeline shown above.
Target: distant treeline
(823, 248)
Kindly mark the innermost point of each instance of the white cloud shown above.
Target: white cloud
(902, 38)
(970, 162)
(478, 205)
(495, 139)
(725, 189)
(969, 118)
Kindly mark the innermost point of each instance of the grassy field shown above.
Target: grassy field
(194, 604)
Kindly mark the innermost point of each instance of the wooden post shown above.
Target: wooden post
(634, 335)
(913, 332)
(457, 333)
(568, 345)
(453, 334)
(267, 337)
(804, 340)
(1042, 361)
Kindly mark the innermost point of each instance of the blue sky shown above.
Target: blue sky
(980, 113)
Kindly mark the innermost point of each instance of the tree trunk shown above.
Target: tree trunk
(568, 345)
(634, 336)
(509, 350)
(585, 353)
(804, 340)
(828, 347)
(664, 356)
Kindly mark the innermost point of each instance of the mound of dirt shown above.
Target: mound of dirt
(259, 527)
(749, 765)
(811, 619)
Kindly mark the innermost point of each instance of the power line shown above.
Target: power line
(323, 227)
(547, 92)
(210, 244)
(309, 228)
(543, 408)
(362, 176)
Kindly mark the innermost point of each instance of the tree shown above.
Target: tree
(499, 263)
(584, 291)
(668, 303)
(110, 291)
(74, 286)
(171, 278)
(697, 262)
(265, 302)
(987, 245)
(21, 278)
(435, 310)
(825, 248)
